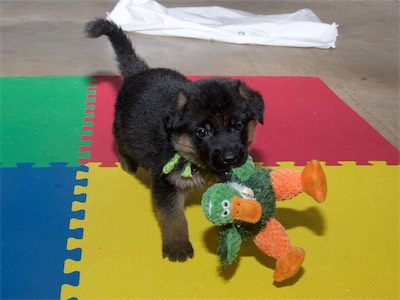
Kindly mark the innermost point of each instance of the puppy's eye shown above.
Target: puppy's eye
(201, 132)
(238, 126)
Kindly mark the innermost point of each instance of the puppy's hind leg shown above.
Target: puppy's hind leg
(170, 203)
(128, 164)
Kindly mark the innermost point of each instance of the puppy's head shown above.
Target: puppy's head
(214, 122)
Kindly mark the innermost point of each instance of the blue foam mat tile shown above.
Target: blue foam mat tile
(35, 215)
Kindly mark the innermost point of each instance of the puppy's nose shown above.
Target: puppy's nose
(229, 157)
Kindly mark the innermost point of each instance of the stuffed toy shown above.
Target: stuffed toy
(245, 205)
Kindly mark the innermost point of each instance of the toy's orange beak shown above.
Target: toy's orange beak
(249, 211)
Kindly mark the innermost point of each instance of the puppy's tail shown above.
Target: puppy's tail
(129, 63)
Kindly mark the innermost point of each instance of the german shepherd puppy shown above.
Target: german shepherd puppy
(181, 131)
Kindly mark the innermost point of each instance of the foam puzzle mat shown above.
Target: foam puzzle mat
(75, 226)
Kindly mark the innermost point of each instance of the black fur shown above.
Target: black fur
(129, 63)
(159, 112)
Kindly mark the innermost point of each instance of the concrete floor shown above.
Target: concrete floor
(44, 37)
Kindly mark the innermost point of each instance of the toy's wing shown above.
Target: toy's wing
(229, 245)
(243, 172)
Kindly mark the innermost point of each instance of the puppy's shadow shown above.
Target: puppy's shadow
(108, 78)
(310, 218)
(143, 176)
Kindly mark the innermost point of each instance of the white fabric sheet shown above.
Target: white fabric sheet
(299, 29)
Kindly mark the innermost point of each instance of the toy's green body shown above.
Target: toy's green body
(260, 182)
(233, 233)
(245, 205)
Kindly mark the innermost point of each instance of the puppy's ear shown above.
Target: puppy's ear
(170, 119)
(174, 113)
(182, 100)
(255, 101)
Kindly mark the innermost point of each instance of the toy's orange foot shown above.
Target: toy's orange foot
(288, 264)
(313, 181)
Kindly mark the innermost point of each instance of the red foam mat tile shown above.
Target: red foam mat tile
(304, 119)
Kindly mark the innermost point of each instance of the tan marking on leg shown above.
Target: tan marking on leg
(175, 235)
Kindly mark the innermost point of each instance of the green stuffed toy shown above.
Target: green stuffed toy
(245, 207)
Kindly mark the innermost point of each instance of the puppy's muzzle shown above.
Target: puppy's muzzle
(229, 158)
(223, 160)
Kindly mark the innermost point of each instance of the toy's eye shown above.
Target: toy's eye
(225, 204)
(225, 213)
(201, 132)
(226, 208)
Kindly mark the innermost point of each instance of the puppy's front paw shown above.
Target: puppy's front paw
(178, 251)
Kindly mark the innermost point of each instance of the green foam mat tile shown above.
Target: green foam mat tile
(42, 119)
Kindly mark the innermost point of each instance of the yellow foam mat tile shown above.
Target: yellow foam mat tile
(351, 243)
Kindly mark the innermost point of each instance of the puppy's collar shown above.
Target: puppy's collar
(172, 163)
